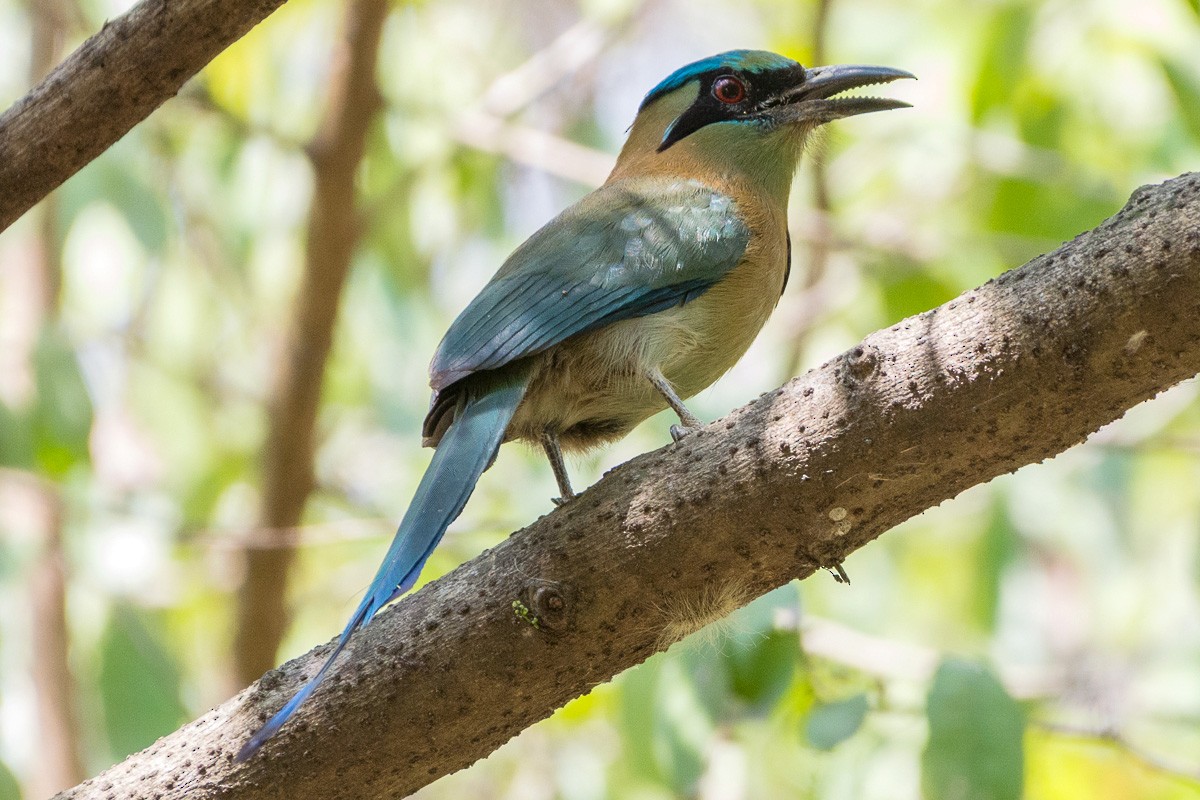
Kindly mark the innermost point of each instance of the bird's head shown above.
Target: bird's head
(746, 105)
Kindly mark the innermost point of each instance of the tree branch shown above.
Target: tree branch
(820, 242)
(109, 84)
(1008, 374)
(60, 762)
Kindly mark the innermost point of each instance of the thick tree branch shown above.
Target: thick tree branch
(333, 234)
(1006, 375)
(109, 84)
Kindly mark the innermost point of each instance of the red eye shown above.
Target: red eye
(729, 90)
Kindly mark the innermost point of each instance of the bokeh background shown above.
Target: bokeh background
(1039, 635)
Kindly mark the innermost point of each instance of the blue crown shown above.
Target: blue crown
(738, 60)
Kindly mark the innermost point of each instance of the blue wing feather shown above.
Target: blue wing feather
(624, 251)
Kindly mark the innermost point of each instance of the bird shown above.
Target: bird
(631, 300)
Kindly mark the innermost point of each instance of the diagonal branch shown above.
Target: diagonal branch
(1008, 374)
(110, 83)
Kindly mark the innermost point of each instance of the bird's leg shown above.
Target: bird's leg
(690, 421)
(554, 454)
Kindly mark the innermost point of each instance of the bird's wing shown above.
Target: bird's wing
(623, 251)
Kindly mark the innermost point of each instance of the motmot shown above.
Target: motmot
(633, 299)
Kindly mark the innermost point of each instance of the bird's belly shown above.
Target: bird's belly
(593, 388)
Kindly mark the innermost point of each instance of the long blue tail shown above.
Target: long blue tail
(465, 451)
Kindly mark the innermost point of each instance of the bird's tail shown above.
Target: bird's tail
(465, 451)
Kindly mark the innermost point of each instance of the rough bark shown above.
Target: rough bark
(333, 233)
(1008, 374)
(109, 84)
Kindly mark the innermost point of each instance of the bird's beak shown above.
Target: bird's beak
(812, 100)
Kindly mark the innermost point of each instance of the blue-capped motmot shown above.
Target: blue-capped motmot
(641, 294)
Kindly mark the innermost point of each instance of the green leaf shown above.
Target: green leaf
(139, 683)
(759, 659)
(999, 548)
(1185, 83)
(50, 434)
(664, 724)
(830, 724)
(909, 289)
(62, 417)
(637, 718)
(1041, 114)
(1031, 209)
(16, 438)
(10, 788)
(975, 749)
(1004, 59)
(761, 669)
(114, 178)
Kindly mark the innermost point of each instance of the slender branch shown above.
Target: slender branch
(895, 660)
(48, 21)
(60, 764)
(333, 233)
(112, 82)
(1008, 374)
(820, 243)
(570, 51)
(533, 147)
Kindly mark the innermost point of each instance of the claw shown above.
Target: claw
(680, 431)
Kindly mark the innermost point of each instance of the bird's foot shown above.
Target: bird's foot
(680, 431)
(839, 573)
(562, 501)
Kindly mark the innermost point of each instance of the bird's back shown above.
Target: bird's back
(592, 388)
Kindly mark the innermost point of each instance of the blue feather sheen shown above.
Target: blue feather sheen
(501, 304)
(466, 450)
(554, 328)
(623, 252)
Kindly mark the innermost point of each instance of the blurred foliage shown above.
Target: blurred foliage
(139, 683)
(975, 749)
(49, 435)
(10, 788)
(830, 724)
(1073, 586)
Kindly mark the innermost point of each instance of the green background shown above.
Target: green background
(1037, 637)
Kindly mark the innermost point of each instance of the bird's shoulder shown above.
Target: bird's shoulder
(630, 231)
(629, 249)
